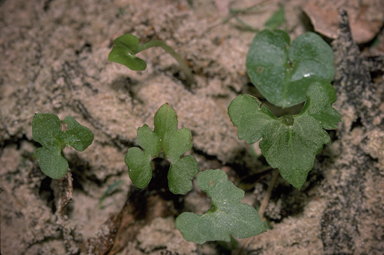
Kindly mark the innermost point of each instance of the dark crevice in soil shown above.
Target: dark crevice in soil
(159, 183)
(46, 193)
(16, 140)
(357, 124)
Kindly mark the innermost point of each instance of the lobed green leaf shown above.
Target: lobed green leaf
(168, 141)
(281, 71)
(227, 215)
(54, 135)
(289, 143)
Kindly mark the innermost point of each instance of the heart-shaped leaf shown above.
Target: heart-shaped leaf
(124, 52)
(167, 140)
(281, 71)
(54, 135)
(227, 215)
(289, 143)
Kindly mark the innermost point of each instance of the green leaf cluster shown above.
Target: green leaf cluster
(167, 142)
(227, 215)
(282, 71)
(54, 135)
(289, 143)
(285, 73)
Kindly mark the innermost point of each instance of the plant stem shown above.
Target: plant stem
(265, 201)
(244, 244)
(183, 65)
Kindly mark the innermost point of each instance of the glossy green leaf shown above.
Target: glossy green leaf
(281, 71)
(167, 142)
(227, 215)
(124, 52)
(289, 143)
(54, 135)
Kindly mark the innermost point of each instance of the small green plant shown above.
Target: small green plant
(54, 135)
(288, 76)
(110, 190)
(164, 142)
(227, 215)
(289, 143)
(127, 46)
(281, 71)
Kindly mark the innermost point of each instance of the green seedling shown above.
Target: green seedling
(111, 190)
(227, 215)
(54, 135)
(164, 142)
(282, 71)
(127, 46)
(289, 143)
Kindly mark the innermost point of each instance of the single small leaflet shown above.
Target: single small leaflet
(54, 135)
(127, 46)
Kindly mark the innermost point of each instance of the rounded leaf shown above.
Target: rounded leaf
(77, 136)
(283, 72)
(124, 53)
(52, 163)
(181, 173)
(129, 41)
(140, 169)
(148, 140)
(46, 131)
